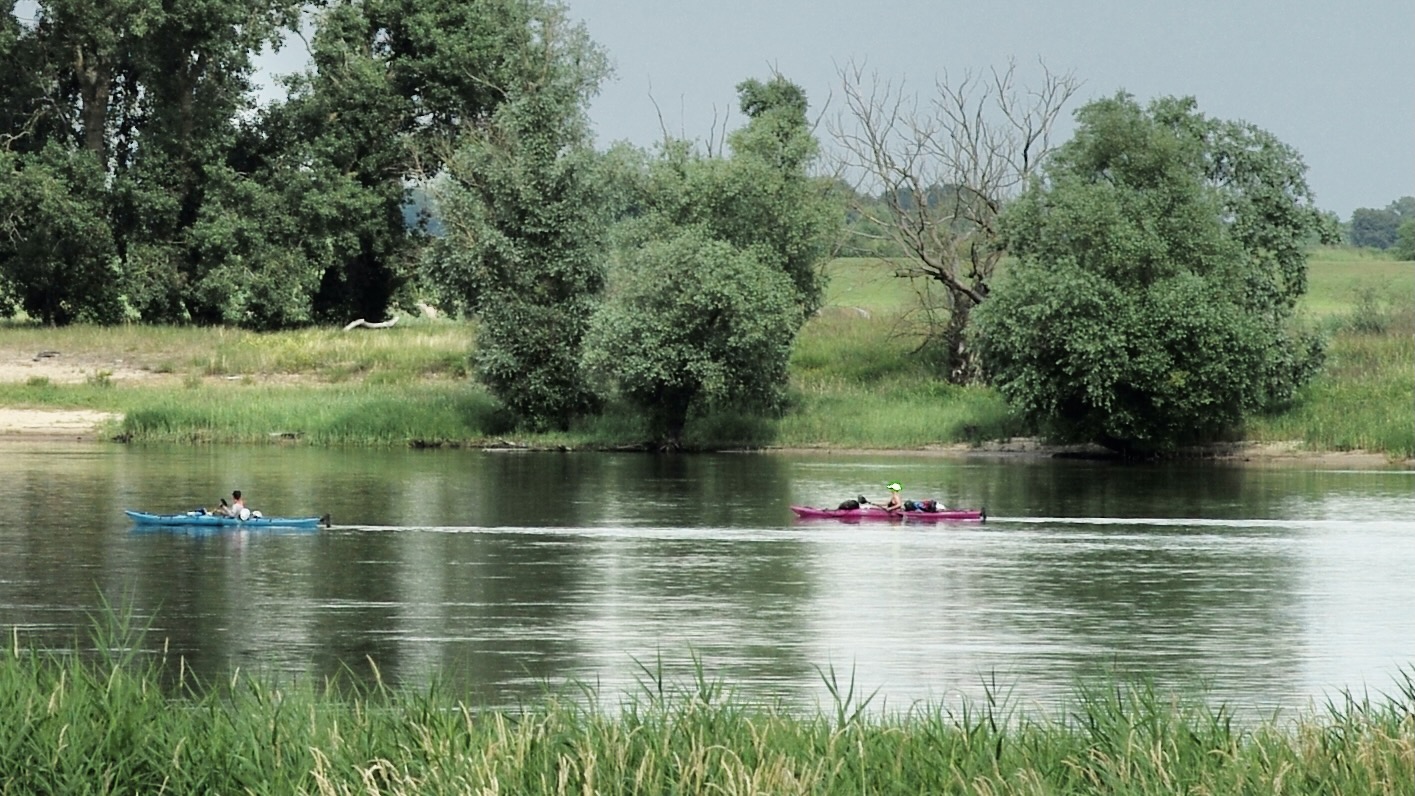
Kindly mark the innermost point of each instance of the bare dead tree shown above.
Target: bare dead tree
(942, 167)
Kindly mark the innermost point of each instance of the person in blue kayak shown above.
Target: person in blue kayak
(237, 507)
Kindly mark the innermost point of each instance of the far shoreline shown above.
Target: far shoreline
(1258, 454)
(37, 427)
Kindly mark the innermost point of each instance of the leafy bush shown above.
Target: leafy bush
(1159, 265)
(717, 334)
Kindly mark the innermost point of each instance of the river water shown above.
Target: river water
(502, 574)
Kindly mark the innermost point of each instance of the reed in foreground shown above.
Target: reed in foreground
(120, 723)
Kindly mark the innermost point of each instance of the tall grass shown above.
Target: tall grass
(865, 381)
(1364, 398)
(354, 414)
(116, 721)
(415, 348)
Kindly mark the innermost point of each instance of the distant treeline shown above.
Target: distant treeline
(1389, 228)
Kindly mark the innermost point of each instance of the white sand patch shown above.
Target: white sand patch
(52, 422)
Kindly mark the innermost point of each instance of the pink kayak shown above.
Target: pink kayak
(877, 513)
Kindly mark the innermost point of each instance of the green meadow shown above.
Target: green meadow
(1364, 399)
(860, 378)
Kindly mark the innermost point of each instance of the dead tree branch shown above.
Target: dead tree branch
(935, 173)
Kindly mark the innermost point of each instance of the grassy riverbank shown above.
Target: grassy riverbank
(858, 380)
(128, 724)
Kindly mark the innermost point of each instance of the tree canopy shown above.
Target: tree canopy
(209, 209)
(693, 320)
(524, 218)
(1160, 256)
(718, 265)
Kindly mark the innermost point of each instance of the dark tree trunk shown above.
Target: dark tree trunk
(673, 415)
(95, 86)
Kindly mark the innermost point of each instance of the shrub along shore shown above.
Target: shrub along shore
(859, 380)
(124, 722)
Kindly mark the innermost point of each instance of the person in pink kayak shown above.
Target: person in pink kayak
(895, 504)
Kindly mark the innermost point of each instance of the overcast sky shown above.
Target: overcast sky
(1335, 79)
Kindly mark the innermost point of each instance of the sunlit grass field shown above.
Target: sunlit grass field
(1364, 398)
(861, 381)
(859, 375)
(859, 378)
(1338, 279)
(415, 348)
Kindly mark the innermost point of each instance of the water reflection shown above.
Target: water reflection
(503, 572)
(1189, 601)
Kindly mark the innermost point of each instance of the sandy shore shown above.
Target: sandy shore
(58, 367)
(32, 424)
(1280, 454)
(19, 367)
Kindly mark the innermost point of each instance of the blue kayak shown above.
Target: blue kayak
(201, 518)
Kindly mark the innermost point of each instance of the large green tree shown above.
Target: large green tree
(393, 83)
(769, 201)
(761, 195)
(57, 260)
(219, 212)
(719, 265)
(693, 321)
(1159, 259)
(524, 220)
(150, 93)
